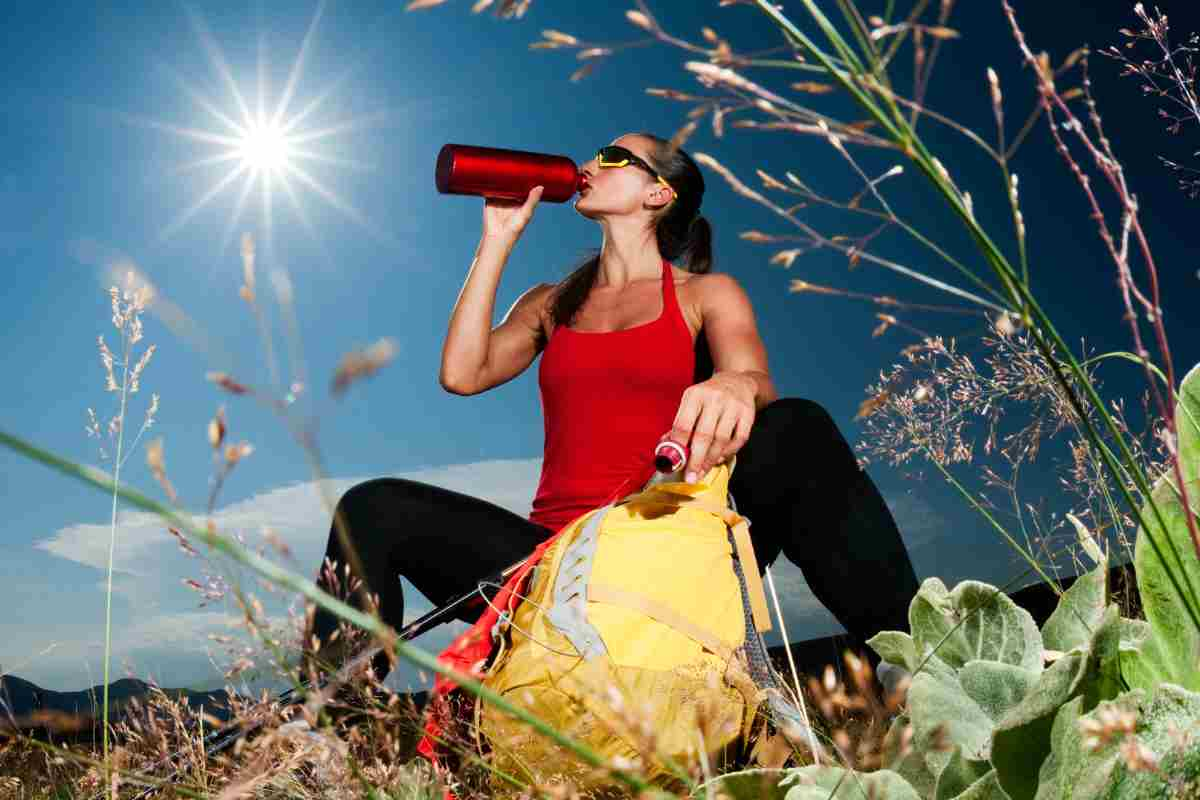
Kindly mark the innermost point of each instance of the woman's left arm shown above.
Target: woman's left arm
(715, 416)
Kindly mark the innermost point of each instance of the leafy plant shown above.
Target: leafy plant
(1091, 705)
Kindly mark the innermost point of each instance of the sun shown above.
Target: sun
(265, 147)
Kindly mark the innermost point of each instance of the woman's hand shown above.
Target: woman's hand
(714, 421)
(508, 218)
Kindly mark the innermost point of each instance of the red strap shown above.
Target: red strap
(467, 653)
(470, 650)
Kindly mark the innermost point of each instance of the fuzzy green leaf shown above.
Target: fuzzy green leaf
(1021, 740)
(992, 628)
(747, 784)
(1167, 564)
(1063, 743)
(1172, 711)
(895, 647)
(1103, 678)
(1078, 613)
(986, 788)
(959, 775)
(1074, 771)
(934, 704)
(909, 765)
(996, 687)
(1070, 770)
(1134, 633)
(836, 783)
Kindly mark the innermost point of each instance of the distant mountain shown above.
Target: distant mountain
(35, 708)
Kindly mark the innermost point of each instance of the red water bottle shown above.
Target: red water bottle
(506, 174)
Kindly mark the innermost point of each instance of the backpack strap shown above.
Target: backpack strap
(636, 601)
(754, 584)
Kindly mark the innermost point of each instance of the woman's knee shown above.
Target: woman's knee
(380, 490)
(795, 412)
(797, 425)
(381, 498)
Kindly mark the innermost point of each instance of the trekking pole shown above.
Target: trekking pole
(222, 739)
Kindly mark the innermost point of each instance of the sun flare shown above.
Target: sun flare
(265, 147)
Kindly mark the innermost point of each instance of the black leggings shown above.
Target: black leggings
(796, 479)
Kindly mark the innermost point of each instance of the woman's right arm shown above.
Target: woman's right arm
(475, 356)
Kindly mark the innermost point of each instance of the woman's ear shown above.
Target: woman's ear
(660, 196)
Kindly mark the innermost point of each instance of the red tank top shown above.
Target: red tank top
(607, 398)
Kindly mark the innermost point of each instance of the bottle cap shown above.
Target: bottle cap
(669, 456)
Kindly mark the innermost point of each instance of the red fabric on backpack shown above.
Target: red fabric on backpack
(468, 652)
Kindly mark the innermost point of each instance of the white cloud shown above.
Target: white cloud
(297, 513)
(186, 631)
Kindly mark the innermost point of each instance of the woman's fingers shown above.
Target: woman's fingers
(525, 212)
(685, 420)
(702, 441)
(723, 443)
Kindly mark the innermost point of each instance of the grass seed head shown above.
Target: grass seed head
(216, 429)
(362, 363)
(248, 285)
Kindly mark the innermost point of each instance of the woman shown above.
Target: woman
(624, 365)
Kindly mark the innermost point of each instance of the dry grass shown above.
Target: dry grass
(362, 741)
(290, 754)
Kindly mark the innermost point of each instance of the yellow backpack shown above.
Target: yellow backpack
(637, 635)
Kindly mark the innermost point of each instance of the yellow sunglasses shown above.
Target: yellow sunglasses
(616, 156)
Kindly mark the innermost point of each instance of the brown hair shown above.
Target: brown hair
(680, 231)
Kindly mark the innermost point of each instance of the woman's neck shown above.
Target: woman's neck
(628, 254)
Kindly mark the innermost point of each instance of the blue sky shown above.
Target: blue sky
(92, 173)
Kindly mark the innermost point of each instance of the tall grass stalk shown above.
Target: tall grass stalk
(127, 307)
(112, 538)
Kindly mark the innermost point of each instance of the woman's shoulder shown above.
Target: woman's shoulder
(702, 294)
(535, 300)
(712, 290)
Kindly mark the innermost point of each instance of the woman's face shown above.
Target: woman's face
(628, 190)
